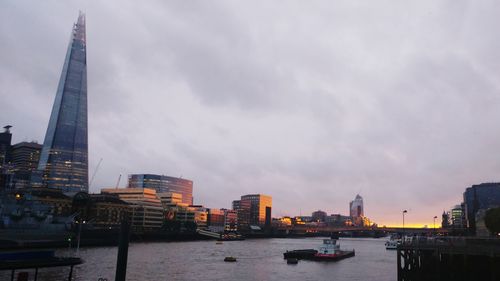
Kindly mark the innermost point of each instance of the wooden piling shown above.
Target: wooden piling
(121, 261)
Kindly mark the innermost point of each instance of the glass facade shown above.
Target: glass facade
(356, 207)
(477, 197)
(260, 208)
(64, 157)
(162, 184)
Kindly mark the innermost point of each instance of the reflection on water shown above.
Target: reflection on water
(258, 259)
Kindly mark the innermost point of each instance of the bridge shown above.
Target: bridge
(302, 229)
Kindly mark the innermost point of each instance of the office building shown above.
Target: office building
(243, 213)
(5, 145)
(64, 157)
(170, 199)
(215, 220)
(147, 212)
(24, 162)
(6, 174)
(338, 220)
(319, 216)
(480, 197)
(445, 220)
(258, 207)
(458, 217)
(25, 156)
(356, 207)
(230, 220)
(104, 211)
(162, 183)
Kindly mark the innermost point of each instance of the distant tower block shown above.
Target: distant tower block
(356, 207)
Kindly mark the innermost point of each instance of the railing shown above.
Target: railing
(469, 245)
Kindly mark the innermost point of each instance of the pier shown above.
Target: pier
(448, 258)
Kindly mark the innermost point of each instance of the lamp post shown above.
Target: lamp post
(435, 217)
(404, 212)
(80, 222)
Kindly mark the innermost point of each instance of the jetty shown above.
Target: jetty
(448, 258)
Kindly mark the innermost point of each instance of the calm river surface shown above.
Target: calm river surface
(258, 259)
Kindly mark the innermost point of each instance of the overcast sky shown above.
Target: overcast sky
(310, 102)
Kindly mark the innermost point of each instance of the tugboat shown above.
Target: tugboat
(330, 251)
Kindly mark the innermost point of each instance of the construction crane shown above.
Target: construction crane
(95, 172)
(118, 182)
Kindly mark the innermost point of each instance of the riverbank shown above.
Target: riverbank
(110, 238)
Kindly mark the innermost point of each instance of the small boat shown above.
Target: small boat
(330, 251)
(229, 259)
(218, 242)
(392, 244)
(231, 237)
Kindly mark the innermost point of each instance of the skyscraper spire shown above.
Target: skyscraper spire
(64, 157)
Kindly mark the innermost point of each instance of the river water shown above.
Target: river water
(258, 259)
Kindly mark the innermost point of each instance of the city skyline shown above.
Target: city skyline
(241, 108)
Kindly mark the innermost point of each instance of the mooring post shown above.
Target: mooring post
(399, 253)
(121, 261)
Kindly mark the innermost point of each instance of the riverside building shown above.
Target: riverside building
(162, 184)
(480, 197)
(145, 207)
(255, 210)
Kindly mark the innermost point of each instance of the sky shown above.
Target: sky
(311, 102)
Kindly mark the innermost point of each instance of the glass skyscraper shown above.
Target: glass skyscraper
(162, 183)
(64, 157)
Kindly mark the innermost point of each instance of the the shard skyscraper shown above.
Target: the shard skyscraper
(64, 157)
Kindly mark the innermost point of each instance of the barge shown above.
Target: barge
(328, 251)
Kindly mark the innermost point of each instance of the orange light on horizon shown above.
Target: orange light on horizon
(412, 225)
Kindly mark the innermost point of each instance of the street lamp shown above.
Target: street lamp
(435, 217)
(80, 222)
(404, 212)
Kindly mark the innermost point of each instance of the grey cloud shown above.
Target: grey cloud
(308, 102)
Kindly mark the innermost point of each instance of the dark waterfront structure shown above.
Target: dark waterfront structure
(36, 260)
(5, 146)
(5, 143)
(450, 258)
(162, 184)
(319, 216)
(480, 197)
(64, 157)
(104, 211)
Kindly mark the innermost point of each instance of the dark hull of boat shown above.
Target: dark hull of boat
(300, 254)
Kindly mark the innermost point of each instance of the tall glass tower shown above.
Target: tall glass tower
(64, 157)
